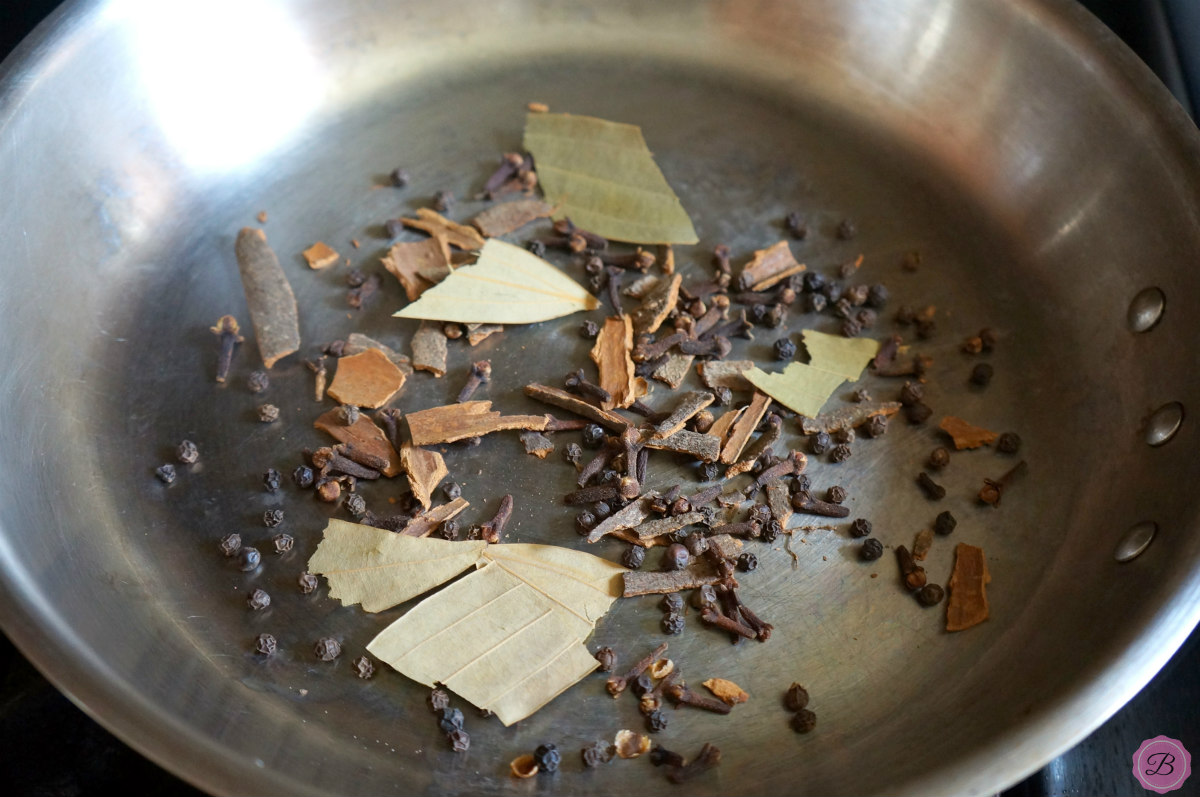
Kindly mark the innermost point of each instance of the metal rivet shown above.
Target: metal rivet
(1135, 541)
(1164, 423)
(1146, 309)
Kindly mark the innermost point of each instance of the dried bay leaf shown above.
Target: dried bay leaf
(508, 637)
(806, 388)
(507, 285)
(602, 175)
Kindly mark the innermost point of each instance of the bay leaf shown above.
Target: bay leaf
(601, 174)
(832, 361)
(506, 285)
(508, 637)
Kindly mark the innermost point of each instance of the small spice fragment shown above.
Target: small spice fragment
(922, 543)
(264, 644)
(944, 523)
(930, 595)
(320, 255)
(258, 600)
(709, 757)
(965, 435)
(1009, 443)
(523, 766)
(727, 691)
(795, 698)
(355, 504)
(631, 744)
(933, 490)
(981, 374)
(327, 649)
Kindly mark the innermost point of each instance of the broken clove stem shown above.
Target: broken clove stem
(317, 366)
(709, 757)
(681, 694)
(717, 346)
(226, 329)
(710, 616)
(993, 488)
(330, 459)
(617, 684)
(744, 528)
(614, 276)
(390, 418)
(911, 574)
(646, 350)
(805, 503)
(495, 527)
(481, 372)
(932, 489)
(576, 382)
(793, 465)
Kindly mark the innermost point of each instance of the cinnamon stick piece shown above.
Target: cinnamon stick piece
(363, 435)
(424, 524)
(691, 403)
(453, 422)
(743, 427)
(567, 401)
(268, 296)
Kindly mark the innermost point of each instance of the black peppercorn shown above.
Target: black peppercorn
(268, 413)
(861, 527)
(283, 543)
(918, 413)
(944, 523)
(231, 543)
(399, 177)
(165, 473)
(672, 602)
(840, 453)
(845, 435)
(939, 458)
(1009, 443)
(438, 700)
(449, 529)
(589, 329)
(981, 374)
(443, 200)
(772, 530)
(258, 381)
(846, 230)
(794, 223)
(876, 426)
(327, 648)
(722, 395)
(795, 698)
(819, 443)
(355, 504)
(672, 623)
(602, 509)
(271, 480)
(460, 740)
(584, 522)
(676, 557)
(249, 559)
(641, 685)
(815, 302)
(656, 721)
(450, 719)
(835, 494)
(607, 658)
(363, 667)
(573, 453)
(911, 393)
(784, 349)
(308, 582)
(747, 562)
(547, 758)
(258, 600)
(272, 518)
(804, 721)
(451, 490)
(926, 328)
(303, 476)
(877, 296)
(633, 557)
(593, 435)
(871, 549)
(930, 595)
(842, 308)
(264, 644)
(187, 453)
(851, 328)
(394, 228)
(710, 471)
(597, 753)
(866, 318)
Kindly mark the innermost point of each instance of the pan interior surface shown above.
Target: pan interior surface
(1044, 179)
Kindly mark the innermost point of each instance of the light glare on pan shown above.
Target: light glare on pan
(228, 81)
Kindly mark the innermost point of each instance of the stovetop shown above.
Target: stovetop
(50, 748)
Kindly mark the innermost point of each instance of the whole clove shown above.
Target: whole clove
(911, 574)
(993, 488)
(803, 501)
(709, 757)
(481, 372)
(617, 684)
(226, 329)
(932, 489)
(576, 382)
(680, 693)
(492, 529)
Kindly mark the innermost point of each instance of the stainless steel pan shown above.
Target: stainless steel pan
(1050, 183)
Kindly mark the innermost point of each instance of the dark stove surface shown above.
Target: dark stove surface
(50, 748)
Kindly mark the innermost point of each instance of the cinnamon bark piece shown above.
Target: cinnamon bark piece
(509, 217)
(363, 435)
(269, 297)
(966, 435)
(688, 406)
(406, 259)
(612, 355)
(725, 546)
(725, 373)
(657, 305)
(453, 422)
(478, 333)
(703, 447)
(740, 433)
(968, 604)
(721, 426)
(921, 544)
(459, 236)
(661, 582)
(572, 403)
(368, 379)
(779, 502)
(666, 525)
(768, 267)
(425, 523)
(429, 348)
(425, 470)
(642, 286)
(630, 516)
(666, 258)
(849, 417)
(674, 370)
(320, 255)
(357, 343)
